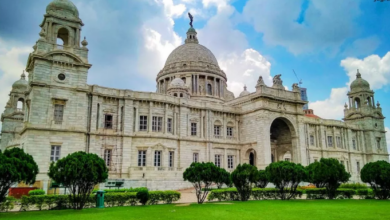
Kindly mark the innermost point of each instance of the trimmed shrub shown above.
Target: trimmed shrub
(232, 194)
(345, 193)
(365, 193)
(243, 178)
(36, 192)
(222, 177)
(321, 193)
(8, 204)
(121, 190)
(316, 193)
(170, 196)
(377, 174)
(121, 199)
(143, 196)
(262, 180)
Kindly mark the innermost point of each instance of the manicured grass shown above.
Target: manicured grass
(269, 209)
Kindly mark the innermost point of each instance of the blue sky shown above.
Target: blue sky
(323, 41)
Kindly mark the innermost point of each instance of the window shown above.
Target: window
(287, 159)
(58, 113)
(311, 140)
(142, 158)
(195, 157)
(218, 160)
(55, 153)
(156, 124)
(354, 144)
(358, 167)
(338, 139)
(217, 131)
(108, 121)
(143, 123)
(378, 143)
(330, 141)
(193, 129)
(209, 89)
(107, 157)
(230, 161)
(157, 158)
(171, 158)
(229, 131)
(169, 125)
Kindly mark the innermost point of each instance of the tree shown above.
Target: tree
(223, 177)
(79, 172)
(16, 166)
(285, 176)
(262, 180)
(328, 173)
(201, 175)
(243, 178)
(377, 174)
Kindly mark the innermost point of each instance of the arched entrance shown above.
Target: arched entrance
(281, 135)
(250, 157)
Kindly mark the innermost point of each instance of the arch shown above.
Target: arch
(217, 122)
(20, 104)
(175, 94)
(283, 140)
(181, 95)
(251, 157)
(63, 34)
(230, 124)
(209, 89)
(369, 102)
(357, 102)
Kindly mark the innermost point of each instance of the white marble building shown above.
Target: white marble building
(150, 138)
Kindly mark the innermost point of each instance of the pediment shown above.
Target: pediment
(64, 56)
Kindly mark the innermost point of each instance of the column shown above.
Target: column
(150, 117)
(50, 32)
(237, 158)
(174, 123)
(334, 138)
(225, 160)
(197, 85)
(77, 38)
(136, 120)
(205, 84)
(165, 120)
(224, 129)
(201, 124)
(237, 131)
(215, 87)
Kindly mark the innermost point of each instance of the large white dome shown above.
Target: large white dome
(191, 53)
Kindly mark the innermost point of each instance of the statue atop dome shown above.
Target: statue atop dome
(191, 19)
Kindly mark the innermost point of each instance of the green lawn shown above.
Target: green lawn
(269, 209)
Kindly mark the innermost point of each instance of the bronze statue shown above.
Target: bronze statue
(191, 19)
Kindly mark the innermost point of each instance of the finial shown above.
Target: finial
(346, 106)
(244, 87)
(378, 104)
(23, 76)
(84, 42)
(358, 75)
(191, 19)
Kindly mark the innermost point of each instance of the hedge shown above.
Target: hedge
(354, 186)
(320, 193)
(163, 196)
(36, 192)
(8, 204)
(121, 190)
(231, 194)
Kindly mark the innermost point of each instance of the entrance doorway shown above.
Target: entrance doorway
(251, 159)
(281, 140)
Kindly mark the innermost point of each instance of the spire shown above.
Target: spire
(23, 76)
(358, 75)
(191, 33)
(244, 87)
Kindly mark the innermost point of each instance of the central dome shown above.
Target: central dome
(191, 52)
(63, 8)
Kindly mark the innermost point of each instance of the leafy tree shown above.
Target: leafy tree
(16, 166)
(143, 196)
(262, 180)
(243, 178)
(201, 175)
(377, 174)
(285, 176)
(223, 177)
(328, 173)
(79, 172)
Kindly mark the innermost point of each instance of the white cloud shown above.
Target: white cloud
(11, 67)
(374, 69)
(326, 25)
(332, 107)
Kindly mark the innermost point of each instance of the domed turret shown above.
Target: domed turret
(245, 92)
(359, 84)
(21, 85)
(63, 8)
(178, 88)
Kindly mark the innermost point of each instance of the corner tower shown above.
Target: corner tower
(363, 112)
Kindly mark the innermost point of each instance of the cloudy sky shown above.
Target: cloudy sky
(129, 41)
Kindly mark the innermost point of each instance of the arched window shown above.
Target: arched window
(175, 94)
(252, 159)
(63, 37)
(181, 95)
(209, 89)
(357, 103)
(369, 101)
(20, 104)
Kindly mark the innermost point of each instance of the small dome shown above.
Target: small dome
(244, 93)
(63, 8)
(21, 84)
(177, 82)
(359, 84)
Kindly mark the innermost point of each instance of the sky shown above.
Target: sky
(324, 42)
